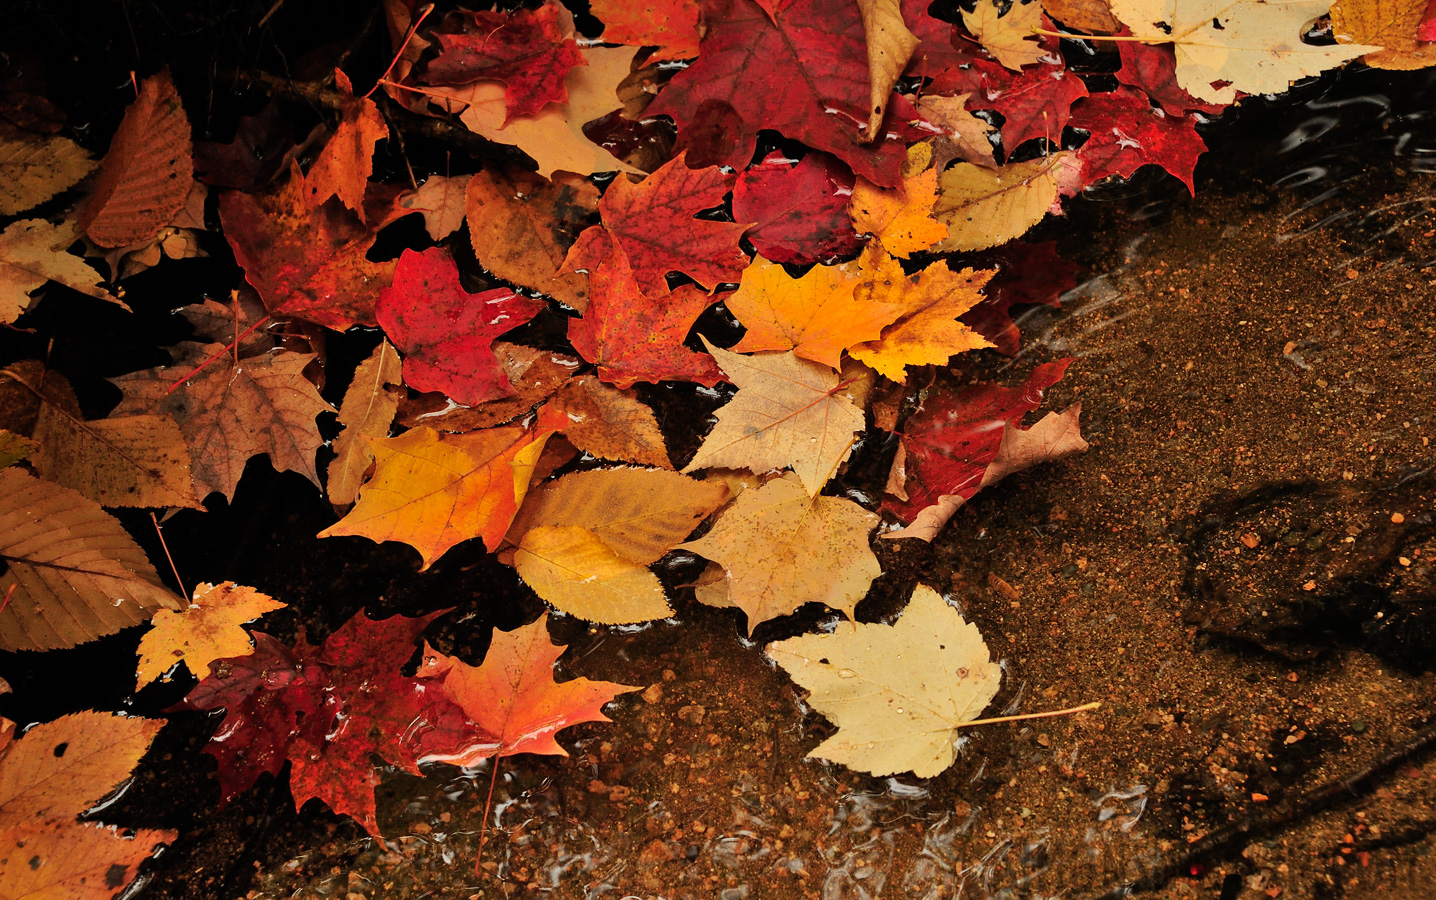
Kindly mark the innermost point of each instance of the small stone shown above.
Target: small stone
(692, 714)
(1290, 346)
(669, 675)
(1044, 741)
(597, 787)
(653, 694)
(1358, 727)
(1309, 586)
(1397, 518)
(1405, 561)
(1250, 540)
(1352, 274)
(1259, 798)
(1293, 677)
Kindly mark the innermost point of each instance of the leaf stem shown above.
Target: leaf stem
(1131, 38)
(221, 352)
(413, 30)
(1041, 715)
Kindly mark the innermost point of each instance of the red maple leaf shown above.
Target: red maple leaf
(1152, 68)
(444, 333)
(956, 433)
(1034, 103)
(513, 695)
(1127, 132)
(527, 49)
(329, 711)
(308, 264)
(632, 336)
(1026, 273)
(653, 222)
(802, 71)
(801, 210)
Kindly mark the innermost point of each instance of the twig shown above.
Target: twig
(1235, 834)
(173, 568)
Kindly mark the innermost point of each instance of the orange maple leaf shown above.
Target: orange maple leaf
(513, 696)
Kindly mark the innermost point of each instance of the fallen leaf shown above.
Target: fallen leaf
(51, 860)
(28, 260)
(139, 460)
(1091, 16)
(813, 86)
(608, 422)
(966, 136)
(75, 573)
(522, 227)
(782, 548)
(445, 333)
(553, 136)
(800, 211)
(926, 330)
(787, 412)
(1030, 273)
(432, 491)
(652, 222)
(1126, 133)
(1034, 103)
(209, 629)
(441, 200)
(36, 167)
(633, 337)
(895, 718)
(146, 174)
(513, 696)
(890, 45)
(1153, 70)
(229, 413)
(670, 26)
(816, 316)
(529, 50)
(950, 441)
(343, 167)
(15, 447)
(328, 711)
(1249, 46)
(900, 217)
(307, 264)
(535, 375)
(366, 411)
(986, 207)
(1009, 37)
(1389, 24)
(576, 572)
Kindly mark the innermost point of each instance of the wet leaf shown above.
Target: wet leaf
(513, 695)
(229, 413)
(1092, 16)
(209, 629)
(788, 412)
(59, 769)
(1034, 102)
(1126, 133)
(671, 26)
(432, 491)
(146, 174)
(890, 45)
(607, 422)
(367, 411)
(1389, 24)
(36, 167)
(1008, 37)
(28, 260)
(441, 201)
(1153, 70)
(900, 217)
(344, 165)
(534, 374)
(72, 573)
(782, 548)
(445, 333)
(893, 716)
(985, 207)
(800, 211)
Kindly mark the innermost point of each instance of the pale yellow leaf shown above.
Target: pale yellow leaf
(890, 45)
(986, 207)
(208, 630)
(1009, 38)
(579, 574)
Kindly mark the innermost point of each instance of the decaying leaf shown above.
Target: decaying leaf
(36, 167)
(366, 411)
(28, 260)
(432, 491)
(782, 548)
(146, 174)
(1389, 24)
(534, 374)
(1093, 16)
(608, 422)
(209, 629)
(898, 693)
(817, 316)
(788, 412)
(513, 696)
(521, 227)
(75, 573)
(966, 135)
(230, 413)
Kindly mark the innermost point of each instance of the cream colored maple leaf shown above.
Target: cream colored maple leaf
(986, 207)
(208, 630)
(928, 333)
(787, 412)
(782, 548)
(898, 693)
(1009, 38)
(816, 316)
(1253, 46)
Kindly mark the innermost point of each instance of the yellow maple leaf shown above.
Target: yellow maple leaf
(433, 490)
(207, 631)
(1010, 38)
(782, 548)
(1389, 24)
(816, 316)
(928, 332)
(900, 217)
